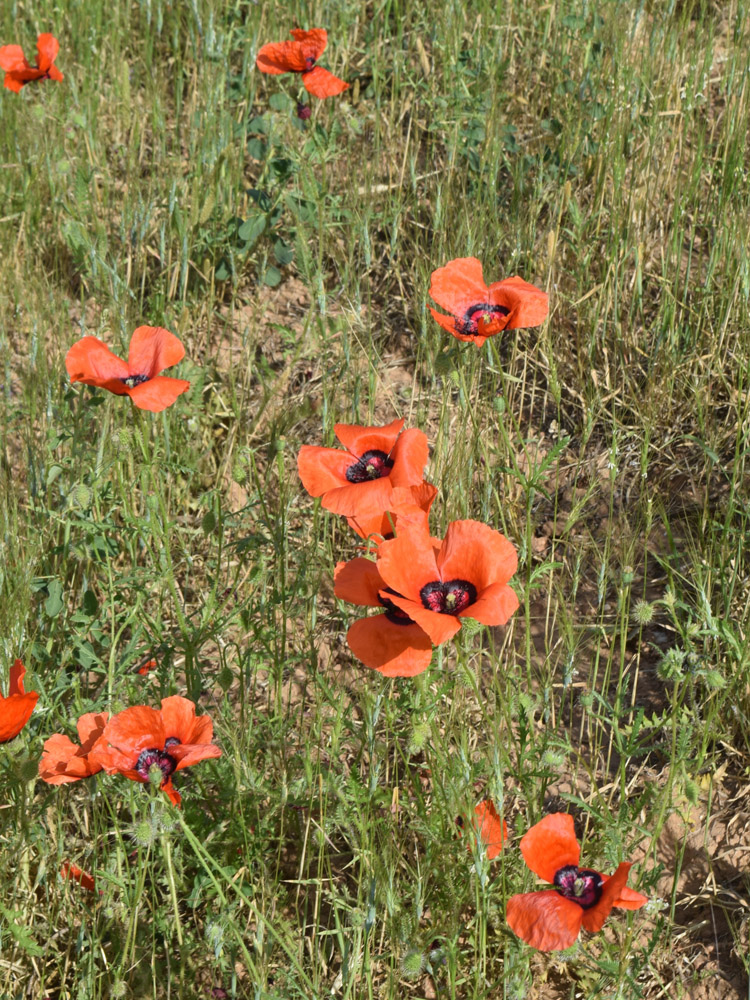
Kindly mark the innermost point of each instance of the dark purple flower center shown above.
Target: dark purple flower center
(309, 63)
(163, 760)
(482, 310)
(392, 612)
(303, 111)
(449, 598)
(581, 885)
(372, 465)
(133, 380)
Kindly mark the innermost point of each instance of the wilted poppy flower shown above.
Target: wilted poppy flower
(436, 584)
(478, 312)
(406, 502)
(62, 761)
(16, 709)
(75, 874)
(141, 738)
(391, 642)
(551, 920)
(152, 349)
(491, 830)
(359, 482)
(19, 72)
(300, 56)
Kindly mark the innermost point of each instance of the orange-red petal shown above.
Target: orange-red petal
(135, 729)
(358, 440)
(322, 469)
(494, 606)
(47, 47)
(392, 650)
(459, 285)
(12, 59)
(280, 57)
(358, 582)
(16, 709)
(439, 627)
(158, 393)
(528, 305)
(550, 845)
(545, 920)
(409, 455)
(90, 361)
(490, 828)
(188, 755)
(63, 762)
(473, 551)
(594, 918)
(407, 562)
(152, 349)
(629, 899)
(75, 874)
(312, 41)
(321, 83)
(360, 499)
(181, 722)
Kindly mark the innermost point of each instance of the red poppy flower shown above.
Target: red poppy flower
(436, 584)
(551, 920)
(478, 312)
(16, 709)
(75, 874)
(19, 72)
(140, 738)
(300, 56)
(489, 828)
(62, 761)
(145, 667)
(359, 482)
(151, 350)
(391, 642)
(407, 501)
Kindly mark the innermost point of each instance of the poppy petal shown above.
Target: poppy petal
(75, 874)
(490, 828)
(409, 455)
(392, 650)
(158, 393)
(13, 83)
(91, 727)
(91, 362)
(494, 606)
(186, 756)
(407, 562)
(174, 796)
(459, 285)
(312, 42)
(181, 722)
(360, 499)
(358, 582)
(280, 57)
(358, 440)
(12, 59)
(448, 323)
(47, 47)
(54, 74)
(16, 709)
(322, 469)
(545, 920)
(628, 899)
(15, 682)
(550, 845)
(474, 551)
(320, 83)
(528, 305)
(135, 729)
(439, 627)
(152, 349)
(594, 918)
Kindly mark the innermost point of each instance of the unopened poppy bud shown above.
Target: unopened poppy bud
(155, 776)
(303, 111)
(143, 834)
(643, 613)
(412, 964)
(119, 989)
(122, 441)
(80, 496)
